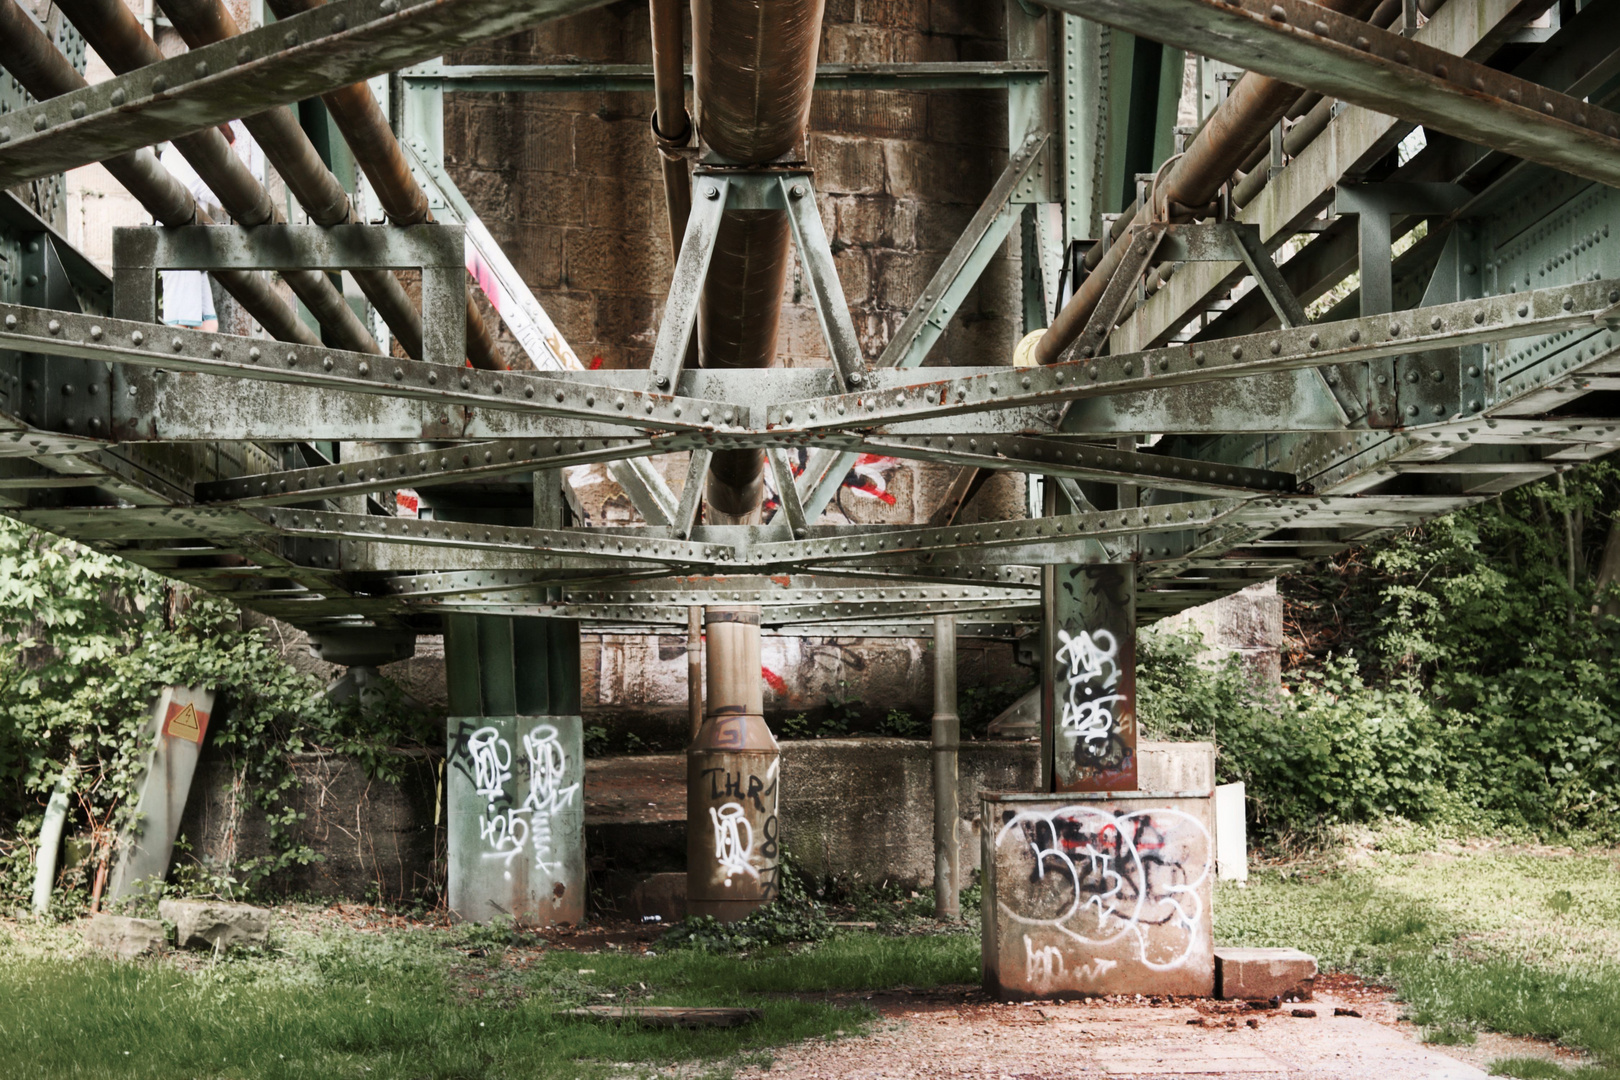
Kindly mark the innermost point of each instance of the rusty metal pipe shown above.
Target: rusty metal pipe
(203, 22)
(671, 126)
(754, 65)
(1245, 118)
(733, 853)
(28, 54)
(117, 36)
(364, 127)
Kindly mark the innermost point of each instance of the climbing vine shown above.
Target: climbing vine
(86, 642)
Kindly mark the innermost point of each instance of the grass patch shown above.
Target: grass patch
(418, 1004)
(1520, 944)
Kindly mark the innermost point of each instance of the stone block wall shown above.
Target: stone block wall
(1248, 624)
(569, 184)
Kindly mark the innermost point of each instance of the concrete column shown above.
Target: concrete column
(733, 850)
(947, 740)
(515, 773)
(1089, 711)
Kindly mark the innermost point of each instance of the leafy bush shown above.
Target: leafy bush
(86, 641)
(1467, 670)
(794, 916)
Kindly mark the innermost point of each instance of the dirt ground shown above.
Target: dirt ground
(1348, 1032)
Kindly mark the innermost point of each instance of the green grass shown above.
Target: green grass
(1516, 943)
(404, 1005)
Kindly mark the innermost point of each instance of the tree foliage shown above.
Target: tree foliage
(1466, 669)
(86, 641)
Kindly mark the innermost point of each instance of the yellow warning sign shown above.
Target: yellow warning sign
(185, 722)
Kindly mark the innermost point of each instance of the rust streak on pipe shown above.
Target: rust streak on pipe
(203, 22)
(117, 36)
(671, 126)
(35, 62)
(754, 66)
(1254, 105)
(357, 115)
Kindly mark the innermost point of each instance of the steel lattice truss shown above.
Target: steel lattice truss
(1481, 358)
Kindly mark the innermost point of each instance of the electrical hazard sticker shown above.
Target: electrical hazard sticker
(185, 722)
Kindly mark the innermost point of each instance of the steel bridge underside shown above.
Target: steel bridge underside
(1221, 439)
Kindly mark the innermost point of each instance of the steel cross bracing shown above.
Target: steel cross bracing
(1483, 364)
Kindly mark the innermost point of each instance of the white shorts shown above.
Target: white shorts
(187, 299)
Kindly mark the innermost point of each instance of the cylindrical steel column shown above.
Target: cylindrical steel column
(947, 741)
(515, 770)
(754, 67)
(694, 669)
(733, 853)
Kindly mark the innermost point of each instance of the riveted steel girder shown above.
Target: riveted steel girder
(339, 43)
(1308, 45)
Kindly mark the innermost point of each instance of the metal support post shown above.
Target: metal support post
(947, 741)
(694, 668)
(514, 777)
(733, 850)
(1090, 709)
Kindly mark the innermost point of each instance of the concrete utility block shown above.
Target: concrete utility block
(660, 895)
(211, 924)
(123, 937)
(1088, 893)
(1262, 974)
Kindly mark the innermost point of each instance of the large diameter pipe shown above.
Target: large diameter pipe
(364, 127)
(44, 72)
(288, 148)
(947, 732)
(1253, 107)
(754, 66)
(117, 36)
(733, 850)
(671, 126)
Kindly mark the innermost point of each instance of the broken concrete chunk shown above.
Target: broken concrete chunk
(123, 937)
(1264, 974)
(212, 924)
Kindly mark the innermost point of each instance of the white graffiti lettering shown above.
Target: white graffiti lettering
(1088, 659)
(508, 833)
(548, 767)
(491, 770)
(505, 833)
(1045, 968)
(1100, 878)
(731, 848)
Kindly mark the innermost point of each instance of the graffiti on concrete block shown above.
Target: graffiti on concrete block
(510, 826)
(1090, 887)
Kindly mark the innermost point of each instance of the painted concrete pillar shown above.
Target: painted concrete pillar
(515, 773)
(146, 845)
(733, 850)
(1089, 683)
